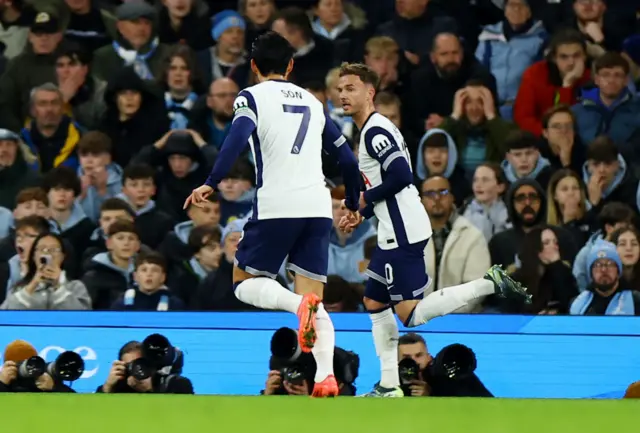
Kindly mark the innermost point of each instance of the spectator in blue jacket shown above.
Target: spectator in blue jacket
(509, 47)
(610, 108)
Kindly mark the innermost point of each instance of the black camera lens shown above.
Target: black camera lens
(284, 345)
(293, 375)
(158, 350)
(140, 369)
(68, 366)
(408, 370)
(31, 368)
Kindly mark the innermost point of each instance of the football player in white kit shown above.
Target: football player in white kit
(287, 129)
(397, 272)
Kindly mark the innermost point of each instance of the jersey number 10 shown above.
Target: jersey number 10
(304, 125)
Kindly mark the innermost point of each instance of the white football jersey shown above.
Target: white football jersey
(402, 219)
(287, 150)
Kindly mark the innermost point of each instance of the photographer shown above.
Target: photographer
(139, 370)
(292, 372)
(19, 375)
(449, 374)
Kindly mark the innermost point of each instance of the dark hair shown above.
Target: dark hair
(114, 203)
(75, 53)
(602, 149)
(362, 71)
(272, 53)
(64, 178)
(634, 284)
(610, 60)
(340, 290)
(370, 246)
(298, 18)
(94, 143)
(122, 226)
(614, 212)
(199, 234)
(338, 192)
(566, 36)
(38, 223)
(411, 338)
(138, 172)
(241, 170)
(152, 258)
(32, 267)
(560, 108)
(32, 193)
(434, 39)
(554, 215)
(315, 86)
(476, 82)
(519, 139)
(130, 347)
(186, 54)
(501, 178)
(437, 139)
(387, 98)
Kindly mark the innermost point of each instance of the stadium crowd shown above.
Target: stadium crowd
(522, 118)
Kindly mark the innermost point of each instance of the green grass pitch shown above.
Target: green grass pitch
(69, 413)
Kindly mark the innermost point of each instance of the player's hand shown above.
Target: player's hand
(9, 372)
(419, 388)
(274, 380)
(350, 221)
(296, 389)
(198, 196)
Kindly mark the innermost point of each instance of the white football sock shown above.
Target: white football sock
(449, 299)
(385, 337)
(325, 344)
(263, 292)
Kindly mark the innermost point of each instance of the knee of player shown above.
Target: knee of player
(373, 306)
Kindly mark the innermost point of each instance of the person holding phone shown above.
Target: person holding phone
(45, 285)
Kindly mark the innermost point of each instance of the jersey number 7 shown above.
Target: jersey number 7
(304, 125)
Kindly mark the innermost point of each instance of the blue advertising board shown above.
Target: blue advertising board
(228, 353)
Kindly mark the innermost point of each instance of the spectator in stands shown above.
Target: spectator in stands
(334, 106)
(82, 93)
(346, 250)
(181, 81)
(610, 108)
(186, 277)
(138, 188)
(110, 274)
(135, 116)
(415, 24)
(175, 245)
(99, 176)
(16, 17)
(479, 133)
(14, 172)
(389, 105)
(603, 31)
(567, 205)
(89, 25)
(136, 44)
(527, 209)
(51, 137)
(523, 159)
(180, 165)
(185, 22)
(559, 143)
(46, 286)
(438, 156)
(605, 295)
(555, 80)
(314, 54)
(6, 222)
(63, 187)
(226, 59)
(12, 271)
(631, 52)
(545, 275)
(448, 71)
(343, 23)
(237, 192)
(509, 47)
(150, 292)
(340, 296)
(457, 252)
(32, 68)
(381, 53)
(258, 15)
(611, 217)
(486, 210)
(212, 114)
(627, 242)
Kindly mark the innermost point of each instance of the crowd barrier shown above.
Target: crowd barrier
(228, 353)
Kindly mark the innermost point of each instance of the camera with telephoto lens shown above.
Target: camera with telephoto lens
(158, 357)
(68, 366)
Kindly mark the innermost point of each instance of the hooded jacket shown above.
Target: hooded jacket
(152, 223)
(541, 172)
(623, 188)
(69, 295)
(344, 260)
(77, 229)
(175, 244)
(92, 200)
(17, 176)
(105, 281)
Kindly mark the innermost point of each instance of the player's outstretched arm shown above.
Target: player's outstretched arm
(336, 144)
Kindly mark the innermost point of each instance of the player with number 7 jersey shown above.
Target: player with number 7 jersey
(287, 129)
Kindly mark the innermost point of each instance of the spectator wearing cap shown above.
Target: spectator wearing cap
(14, 173)
(259, 15)
(33, 67)
(227, 58)
(555, 80)
(523, 160)
(314, 54)
(135, 115)
(605, 296)
(610, 108)
(82, 93)
(136, 45)
(185, 22)
(89, 25)
(15, 19)
(343, 23)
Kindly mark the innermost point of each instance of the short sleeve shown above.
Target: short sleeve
(382, 146)
(245, 106)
